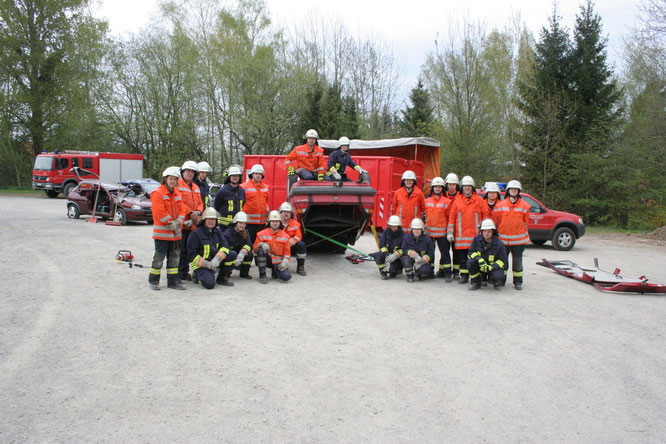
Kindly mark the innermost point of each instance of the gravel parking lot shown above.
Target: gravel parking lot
(89, 354)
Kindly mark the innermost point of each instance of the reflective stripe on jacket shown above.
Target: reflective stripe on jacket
(511, 220)
(340, 160)
(191, 199)
(229, 200)
(437, 215)
(279, 243)
(408, 206)
(293, 230)
(204, 243)
(390, 241)
(301, 157)
(492, 252)
(422, 246)
(236, 241)
(256, 201)
(166, 207)
(464, 218)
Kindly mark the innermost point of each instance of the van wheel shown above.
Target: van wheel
(564, 239)
(120, 216)
(538, 242)
(51, 193)
(67, 188)
(73, 211)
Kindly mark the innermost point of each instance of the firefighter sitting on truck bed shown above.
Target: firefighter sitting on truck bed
(338, 162)
(388, 256)
(307, 160)
(487, 257)
(207, 248)
(272, 244)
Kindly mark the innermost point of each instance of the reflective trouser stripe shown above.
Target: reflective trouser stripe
(444, 266)
(172, 270)
(518, 273)
(155, 271)
(456, 267)
(472, 276)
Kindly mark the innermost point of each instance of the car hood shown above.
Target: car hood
(564, 215)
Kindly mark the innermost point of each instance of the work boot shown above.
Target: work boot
(185, 277)
(410, 278)
(383, 275)
(463, 279)
(300, 268)
(154, 282)
(474, 286)
(274, 274)
(441, 273)
(393, 274)
(262, 278)
(223, 279)
(175, 284)
(518, 285)
(455, 276)
(498, 286)
(155, 287)
(195, 279)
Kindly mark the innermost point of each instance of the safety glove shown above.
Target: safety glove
(264, 246)
(283, 265)
(291, 171)
(240, 257)
(320, 176)
(449, 237)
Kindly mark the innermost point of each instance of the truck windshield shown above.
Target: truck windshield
(43, 163)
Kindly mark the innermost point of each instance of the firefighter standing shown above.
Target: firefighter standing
(338, 162)
(487, 257)
(388, 256)
(168, 215)
(230, 198)
(207, 248)
(293, 229)
(408, 200)
(492, 196)
(418, 252)
(256, 199)
(201, 179)
(272, 244)
(512, 216)
(239, 242)
(467, 211)
(193, 208)
(437, 208)
(307, 160)
(452, 191)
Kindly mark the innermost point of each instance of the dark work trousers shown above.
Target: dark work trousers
(164, 249)
(424, 271)
(206, 277)
(307, 175)
(516, 261)
(229, 265)
(380, 260)
(455, 270)
(495, 276)
(184, 266)
(443, 245)
(264, 261)
(462, 260)
(299, 251)
(253, 229)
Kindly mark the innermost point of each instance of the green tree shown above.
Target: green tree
(417, 120)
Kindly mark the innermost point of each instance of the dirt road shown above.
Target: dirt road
(89, 353)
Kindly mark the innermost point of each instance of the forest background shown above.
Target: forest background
(217, 80)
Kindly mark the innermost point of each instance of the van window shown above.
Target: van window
(61, 163)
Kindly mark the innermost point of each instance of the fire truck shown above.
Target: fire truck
(52, 172)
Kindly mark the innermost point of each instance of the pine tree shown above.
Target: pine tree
(417, 120)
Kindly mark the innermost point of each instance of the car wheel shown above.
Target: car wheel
(564, 239)
(51, 193)
(68, 188)
(120, 216)
(538, 242)
(73, 211)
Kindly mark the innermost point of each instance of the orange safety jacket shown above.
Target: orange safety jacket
(464, 218)
(437, 215)
(301, 157)
(408, 206)
(256, 201)
(293, 230)
(166, 207)
(192, 202)
(279, 242)
(511, 220)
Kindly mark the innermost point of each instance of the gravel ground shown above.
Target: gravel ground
(89, 354)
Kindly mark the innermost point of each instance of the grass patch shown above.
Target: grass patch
(610, 230)
(20, 190)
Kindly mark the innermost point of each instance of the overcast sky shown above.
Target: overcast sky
(411, 27)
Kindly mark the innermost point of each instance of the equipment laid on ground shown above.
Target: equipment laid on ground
(603, 280)
(126, 257)
(358, 258)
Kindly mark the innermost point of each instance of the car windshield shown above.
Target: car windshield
(150, 187)
(43, 163)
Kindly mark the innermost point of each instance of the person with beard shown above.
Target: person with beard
(230, 198)
(408, 200)
(387, 258)
(207, 248)
(437, 207)
(239, 242)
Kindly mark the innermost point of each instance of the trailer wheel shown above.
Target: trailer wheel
(564, 239)
(67, 188)
(73, 211)
(51, 193)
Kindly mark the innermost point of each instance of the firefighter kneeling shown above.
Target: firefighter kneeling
(388, 256)
(487, 257)
(207, 248)
(418, 252)
(273, 243)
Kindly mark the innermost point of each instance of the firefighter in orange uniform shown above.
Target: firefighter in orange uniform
(256, 199)
(437, 208)
(272, 244)
(452, 191)
(307, 160)
(193, 207)
(168, 216)
(492, 197)
(467, 212)
(512, 216)
(408, 200)
(293, 228)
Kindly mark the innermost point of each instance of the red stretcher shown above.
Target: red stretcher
(603, 280)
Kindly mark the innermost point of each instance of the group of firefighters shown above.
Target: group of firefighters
(212, 241)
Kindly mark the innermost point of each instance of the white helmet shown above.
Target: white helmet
(204, 167)
(343, 141)
(190, 165)
(467, 180)
(274, 215)
(409, 174)
(241, 216)
(487, 224)
(452, 178)
(257, 169)
(285, 207)
(394, 221)
(312, 133)
(437, 181)
(171, 171)
(492, 187)
(234, 170)
(210, 213)
(416, 223)
(514, 184)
